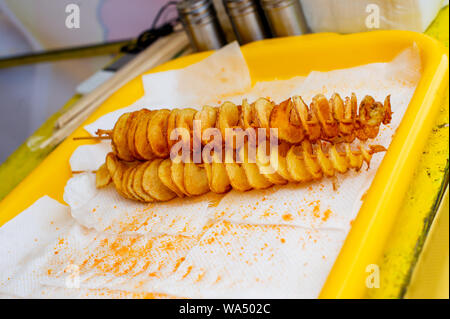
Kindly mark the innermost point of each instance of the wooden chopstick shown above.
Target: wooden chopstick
(129, 71)
(159, 52)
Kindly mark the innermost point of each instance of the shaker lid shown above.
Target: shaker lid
(195, 11)
(276, 3)
(239, 6)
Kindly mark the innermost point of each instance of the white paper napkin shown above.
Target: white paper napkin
(23, 240)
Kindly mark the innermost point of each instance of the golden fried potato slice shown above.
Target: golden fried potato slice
(371, 115)
(355, 159)
(102, 177)
(157, 131)
(280, 118)
(125, 182)
(309, 121)
(227, 117)
(137, 182)
(340, 162)
(278, 161)
(165, 175)
(195, 180)
(311, 161)
(236, 173)
(171, 126)
(296, 165)
(238, 179)
(346, 117)
(337, 107)
(247, 114)
(177, 173)
(263, 108)
(325, 164)
(321, 108)
(117, 180)
(120, 137)
(115, 169)
(153, 185)
(185, 118)
(131, 131)
(142, 145)
(130, 184)
(387, 110)
(254, 177)
(111, 163)
(217, 175)
(184, 123)
(207, 117)
(263, 162)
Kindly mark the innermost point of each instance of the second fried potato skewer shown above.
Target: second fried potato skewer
(164, 179)
(145, 134)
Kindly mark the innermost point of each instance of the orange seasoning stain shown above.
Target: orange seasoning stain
(283, 240)
(200, 276)
(189, 269)
(326, 215)
(179, 261)
(363, 197)
(287, 217)
(316, 208)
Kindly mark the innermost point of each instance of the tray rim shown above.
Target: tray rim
(344, 281)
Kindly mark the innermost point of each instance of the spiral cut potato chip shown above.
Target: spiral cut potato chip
(242, 169)
(147, 135)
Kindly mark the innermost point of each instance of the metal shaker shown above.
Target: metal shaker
(285, 17)
(200, 22)
(245, 19)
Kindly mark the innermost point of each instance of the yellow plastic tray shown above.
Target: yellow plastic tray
(283, 59)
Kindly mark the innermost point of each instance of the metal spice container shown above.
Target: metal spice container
(246, 20)
(200, 22)
(285, 17)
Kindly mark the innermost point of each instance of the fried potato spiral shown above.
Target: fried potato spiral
(164, 179)
(146, 135)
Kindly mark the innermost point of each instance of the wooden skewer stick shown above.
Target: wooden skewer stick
(131, 70)
(101, 135)
(91, 138)
(161, 51)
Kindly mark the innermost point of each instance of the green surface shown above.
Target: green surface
(23, 160)
(422, 198)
